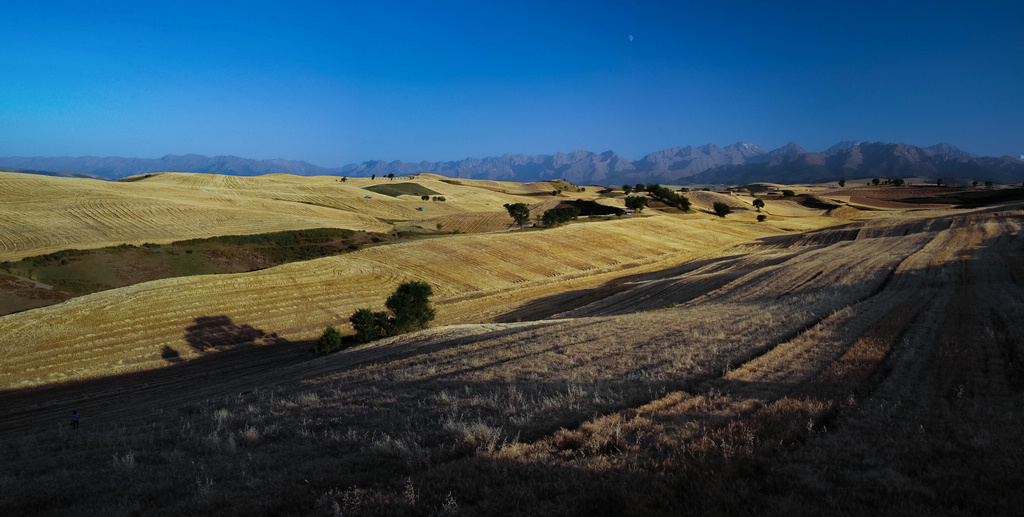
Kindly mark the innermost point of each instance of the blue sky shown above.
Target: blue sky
(342, 82)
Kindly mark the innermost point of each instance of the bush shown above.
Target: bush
(761, 218)
(788, 193)
(329, 341)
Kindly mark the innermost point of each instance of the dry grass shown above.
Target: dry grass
(865, 369)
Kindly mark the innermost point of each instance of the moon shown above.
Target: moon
(630, 37)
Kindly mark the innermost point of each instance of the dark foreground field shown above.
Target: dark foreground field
(872, 368)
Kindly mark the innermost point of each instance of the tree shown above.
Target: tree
(639, 187)
(938, 182)
(329, 341)
(842, 183)
(410, 304)
(369, 325)
(875, 181)
(988, 184)
(788, 193)
(519, 212)
(761, 218)
(758, 204)
(974, 183)
(626, 189)
(636, 203)
(409, 308)
(344, 179)
(373, 177)
(721, 209)
(391, 175)
(425, 197)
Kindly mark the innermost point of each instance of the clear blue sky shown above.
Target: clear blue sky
(341, 82)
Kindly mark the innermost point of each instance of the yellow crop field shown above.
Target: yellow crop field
(861, 361)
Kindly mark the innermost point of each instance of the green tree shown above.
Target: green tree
(329, 341)
(409, 308)
(974, 183)
(875, 181)
(425, 197)
(761, 218)
(639, 187)
(519, 212)
(410, 304)
(788, 193)
(373, 177)
(370, 325)
(626, 189)
(391, 175)
(842, 183)
(988, 184)
(721, 209)
(758, 204)
(636, 203)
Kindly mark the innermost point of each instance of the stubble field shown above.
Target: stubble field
(663, 364)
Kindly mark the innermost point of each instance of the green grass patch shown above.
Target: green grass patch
(402, 189)
(79, 272)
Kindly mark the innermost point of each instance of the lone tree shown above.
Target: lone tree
(758, 204)
(410, 305)
(636, 203)
(520, 213)
(842, 183)
(721, 209)
(409, 308)
(626, 189)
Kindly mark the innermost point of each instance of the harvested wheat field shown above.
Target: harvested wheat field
(840, 361)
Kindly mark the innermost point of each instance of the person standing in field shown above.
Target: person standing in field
(74, 419)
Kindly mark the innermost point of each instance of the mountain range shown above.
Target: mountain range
(739, 163)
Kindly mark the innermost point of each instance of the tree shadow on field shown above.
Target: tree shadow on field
(215, 332)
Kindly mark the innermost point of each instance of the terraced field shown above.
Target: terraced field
(655, 365)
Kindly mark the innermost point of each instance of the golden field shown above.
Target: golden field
(835, 360)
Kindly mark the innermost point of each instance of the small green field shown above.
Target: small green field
(51, 278)
(402, 189)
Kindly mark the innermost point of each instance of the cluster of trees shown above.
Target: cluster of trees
(637, 203)
(408, 309)
(425, 197)
(658, 192)
(668, 197)
(557, 216)
(898, 182)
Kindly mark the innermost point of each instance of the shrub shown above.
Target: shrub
(788, 193)
(329, 341)
(761, 218)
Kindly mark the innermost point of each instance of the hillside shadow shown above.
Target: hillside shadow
(549, 306)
